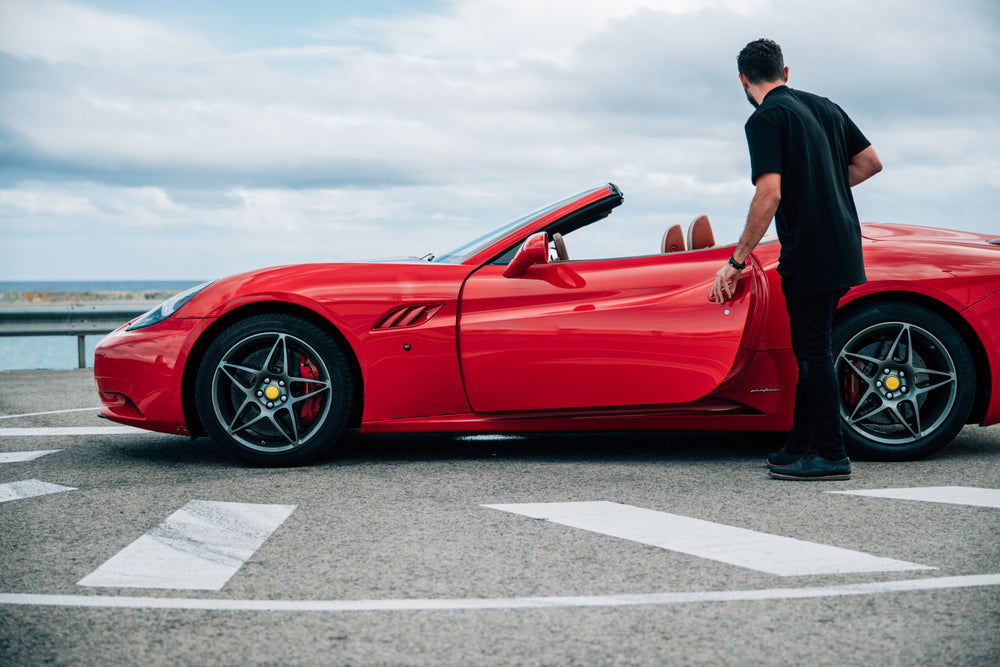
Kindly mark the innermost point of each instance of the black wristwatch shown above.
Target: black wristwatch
(733, 263)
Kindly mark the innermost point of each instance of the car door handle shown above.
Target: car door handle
(736, 292)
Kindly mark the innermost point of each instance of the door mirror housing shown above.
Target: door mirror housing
(534, 250)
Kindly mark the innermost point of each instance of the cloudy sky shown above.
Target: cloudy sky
(195, 138)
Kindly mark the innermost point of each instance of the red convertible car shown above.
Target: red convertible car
(498, 337)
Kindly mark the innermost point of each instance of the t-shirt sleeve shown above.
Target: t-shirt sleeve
(764, 140)
(856, 141)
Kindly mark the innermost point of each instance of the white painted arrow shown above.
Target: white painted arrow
(21, 457)
(29, 488)
(198, 547)
(764, 552)
(953, 495)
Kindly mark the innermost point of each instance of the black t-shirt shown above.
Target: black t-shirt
(809, 140)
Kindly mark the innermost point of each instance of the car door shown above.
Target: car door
(605, 333)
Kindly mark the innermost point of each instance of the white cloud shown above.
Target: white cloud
(399, 135)
(57, 31)
(28, 202)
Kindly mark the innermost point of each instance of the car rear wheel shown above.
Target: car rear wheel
(275, 390)
(907, 381)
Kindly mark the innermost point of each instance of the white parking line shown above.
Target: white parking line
(51, 412)
(21, 457)
(774, 554)
(29, 488)
(198, 547)
(460, 604)
(71, 430)
(954, 495)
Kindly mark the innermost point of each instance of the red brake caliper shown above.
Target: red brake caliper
(310, 406)
(851, 386)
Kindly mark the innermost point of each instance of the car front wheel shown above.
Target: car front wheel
(275, 390)
(906, 378)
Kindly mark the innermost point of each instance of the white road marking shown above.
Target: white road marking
(21, 457)
(774, 554)
(955, 495)
(198, 547)
(29, 488)
(72, 430)
(460, 604)
(51, 412)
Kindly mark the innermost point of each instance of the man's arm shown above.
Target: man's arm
(863, 166)
(762, 209)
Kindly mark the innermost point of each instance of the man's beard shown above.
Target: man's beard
(750, 99)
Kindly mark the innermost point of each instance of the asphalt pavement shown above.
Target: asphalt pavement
(654, 549)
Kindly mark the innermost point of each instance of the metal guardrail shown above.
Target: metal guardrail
(79, 321)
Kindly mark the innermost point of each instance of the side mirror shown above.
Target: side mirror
(534, 250)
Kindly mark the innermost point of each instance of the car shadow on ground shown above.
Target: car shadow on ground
(358, 449)
(582, 446)
(685, 446)
(666, 446)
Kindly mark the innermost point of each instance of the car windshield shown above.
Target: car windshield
(464, 252)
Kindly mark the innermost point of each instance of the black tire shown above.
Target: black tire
(907, 381)
(275, 390)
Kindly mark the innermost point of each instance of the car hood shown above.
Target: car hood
(400, 280)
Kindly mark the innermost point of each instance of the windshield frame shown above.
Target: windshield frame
(474, 247)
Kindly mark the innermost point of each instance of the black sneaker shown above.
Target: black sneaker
(814, 467)
(783, 457)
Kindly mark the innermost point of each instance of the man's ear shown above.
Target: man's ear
(786, 75)
(745, 82)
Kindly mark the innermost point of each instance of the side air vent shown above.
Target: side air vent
(408, 316)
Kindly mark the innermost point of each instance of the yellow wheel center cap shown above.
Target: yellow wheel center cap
(892, 383)
(272, 392)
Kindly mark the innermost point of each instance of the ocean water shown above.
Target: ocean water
(11, 286)
(60, 352)
(18, 353)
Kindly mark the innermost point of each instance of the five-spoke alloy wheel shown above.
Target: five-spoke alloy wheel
(906, 378)
(275, 390)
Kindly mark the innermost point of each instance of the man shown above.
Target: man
(805, 156)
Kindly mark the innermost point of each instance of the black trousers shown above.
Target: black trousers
(816, 423)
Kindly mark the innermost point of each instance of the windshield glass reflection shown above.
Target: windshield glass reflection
(464, 252)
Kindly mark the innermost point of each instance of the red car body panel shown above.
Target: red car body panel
(615, 344)
(610, 333)
(984, 318)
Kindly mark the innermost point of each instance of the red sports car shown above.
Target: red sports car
(499, 337)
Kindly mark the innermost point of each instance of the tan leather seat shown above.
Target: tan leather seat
(699, 234)
(673, 240)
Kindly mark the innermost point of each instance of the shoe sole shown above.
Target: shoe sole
(772, 464)
(811, 478)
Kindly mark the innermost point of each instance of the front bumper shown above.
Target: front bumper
(139, 374)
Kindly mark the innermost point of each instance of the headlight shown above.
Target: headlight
(166, 309)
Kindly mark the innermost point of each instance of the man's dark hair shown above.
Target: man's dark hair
(760, 61)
